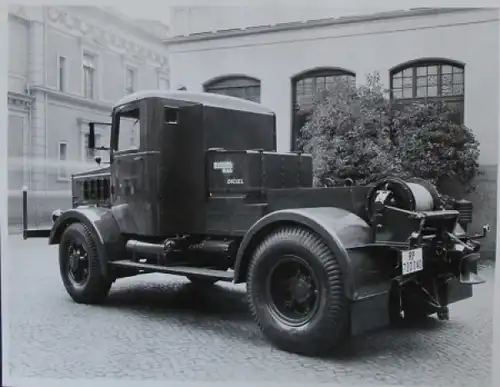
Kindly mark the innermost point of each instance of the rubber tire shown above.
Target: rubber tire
(96, 288)
(330, 325)
(202, 281)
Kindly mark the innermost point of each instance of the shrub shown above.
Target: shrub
(358, 133)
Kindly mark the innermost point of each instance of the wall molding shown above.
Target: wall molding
(73, 98)
(93, 34)
(18, 12)
(19, 101)
(308, 24)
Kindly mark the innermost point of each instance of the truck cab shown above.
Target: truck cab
(165, 175)
(204, 194)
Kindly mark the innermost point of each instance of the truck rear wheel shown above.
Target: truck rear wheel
(80, 267)
(295, 292)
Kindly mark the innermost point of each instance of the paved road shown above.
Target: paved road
(159, 327)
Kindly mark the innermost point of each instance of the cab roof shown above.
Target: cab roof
(206, 99)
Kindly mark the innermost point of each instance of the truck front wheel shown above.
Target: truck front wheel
(80, 267)
(295, 292)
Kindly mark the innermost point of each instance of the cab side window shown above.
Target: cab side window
(129, 130)
(171, 115)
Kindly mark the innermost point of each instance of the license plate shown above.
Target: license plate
(412, 261)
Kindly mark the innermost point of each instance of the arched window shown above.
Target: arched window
(430, 80)
(306, 89)
(236, 85)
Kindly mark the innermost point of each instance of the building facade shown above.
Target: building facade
(67, 66)
(447, 54)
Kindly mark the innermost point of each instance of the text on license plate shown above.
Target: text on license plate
(412, 261)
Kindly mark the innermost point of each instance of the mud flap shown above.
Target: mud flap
(370, 310)
(457, 291)
(370, 304)
(468, 270)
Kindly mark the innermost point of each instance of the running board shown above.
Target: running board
(177, 270)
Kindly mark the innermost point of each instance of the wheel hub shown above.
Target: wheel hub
(293, 291)
(300, 288)
(78, 264)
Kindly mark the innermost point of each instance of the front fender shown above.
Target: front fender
(101, 224)
(340, 229)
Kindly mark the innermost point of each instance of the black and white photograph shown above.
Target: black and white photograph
(301, 194)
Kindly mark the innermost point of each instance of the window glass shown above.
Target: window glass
(129, 130)
(240, 87)
(437, 81)
(307, 90)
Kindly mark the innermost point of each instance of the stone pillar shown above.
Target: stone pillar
(37, 130)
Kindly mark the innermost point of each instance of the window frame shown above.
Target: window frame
(233, 82)
(93, 68)
(458, 99)
(166, 118)
(115, 128)
(134, 71)
(66, 175)
(319, 72)
(62, 78)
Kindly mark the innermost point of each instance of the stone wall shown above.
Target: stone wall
(485, 208)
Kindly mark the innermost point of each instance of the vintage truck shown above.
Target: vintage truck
(207, 196)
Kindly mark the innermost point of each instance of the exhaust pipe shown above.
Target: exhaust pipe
(146, 250)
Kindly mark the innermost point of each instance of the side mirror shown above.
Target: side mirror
(98, 160)
(91, 142)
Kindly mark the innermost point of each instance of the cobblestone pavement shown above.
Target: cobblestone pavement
(160, 327)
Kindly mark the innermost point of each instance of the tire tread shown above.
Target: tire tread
(335, 320)
(97, 287)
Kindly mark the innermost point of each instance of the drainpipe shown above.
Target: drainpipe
(30, 111)
(30, 139)
(45, 81)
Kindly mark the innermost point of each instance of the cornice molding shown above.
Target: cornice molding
(19, 12)
(300, 25)
(93, 34)
(19, 101)
(82, 120)
(132, 58)
(76, 99)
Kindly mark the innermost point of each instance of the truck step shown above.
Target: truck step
(177, 270)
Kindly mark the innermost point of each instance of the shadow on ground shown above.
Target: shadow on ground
(216, 307)
(177, 299)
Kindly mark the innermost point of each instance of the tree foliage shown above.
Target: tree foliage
(358, 133)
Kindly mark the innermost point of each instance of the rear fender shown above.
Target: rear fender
(102, 226)
(345, 233)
